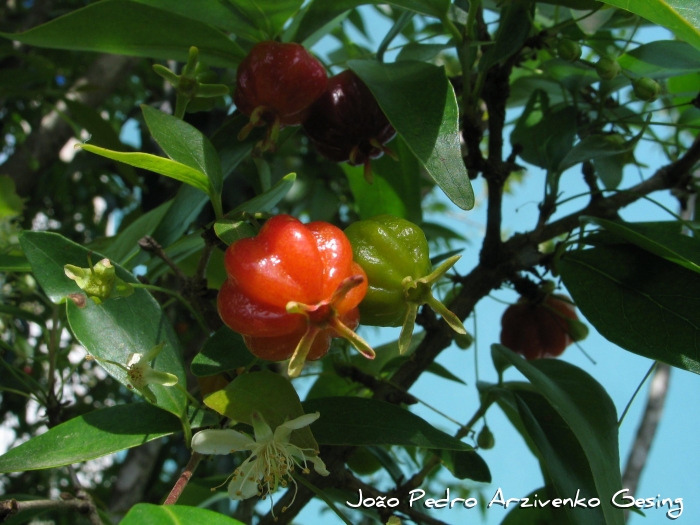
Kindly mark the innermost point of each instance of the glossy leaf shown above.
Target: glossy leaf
(679, 16)
(589, 412)
(360, 422)
(223, 351)
(271, 395)
(231, 231)
(639, 301)
(660, 238)
(114, 328)
(143, 513)
(129, 28)
(160, 165)
(420, 103)
(107, 430)
(185, 144)
(513, 29)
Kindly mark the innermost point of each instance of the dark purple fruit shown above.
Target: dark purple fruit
(347, 124)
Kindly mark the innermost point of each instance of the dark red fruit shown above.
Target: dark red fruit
(276, 85)
(347, 124)
(541, 329)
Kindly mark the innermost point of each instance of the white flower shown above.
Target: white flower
(273, 457)
(141, 374)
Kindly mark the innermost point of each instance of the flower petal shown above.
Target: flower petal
(263, 432)
(282, 432)
(133, 359)
(319, 465)
(151, 376)
(245, 482)
(147, 393)
(221, 442)
(153, 352)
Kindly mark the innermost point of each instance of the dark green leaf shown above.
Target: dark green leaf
(269, 16)
(597, 146)
(639, 301)
(359, 421)
(14, 263)
(20, 313)
(539, 515)
(271, 395)
(563, 457)
(466, 465)
(421, 52)
(128, 28)
(513, 30)
(268, 200)
(106, 431)
(420, 103)
(590, 414)
(610, 170)
(679, 16)
(224, 351)
(441, 371)
(146, 513)
(660, 238)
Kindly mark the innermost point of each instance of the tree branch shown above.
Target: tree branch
(41, 147)
(11, 507)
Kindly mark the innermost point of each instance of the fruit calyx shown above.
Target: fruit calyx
(418, 292)
(322, 316)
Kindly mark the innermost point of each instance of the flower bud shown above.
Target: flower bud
(569, 50)
(485, 438)
(607, 68)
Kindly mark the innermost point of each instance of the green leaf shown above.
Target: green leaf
(360, 422)
(466, 465)
(128, 28)
(320, 12)
(174, 515)
(545, 133)
(639, 301)
(185, 144)
(595, 147)
(125, 245)
(211, 12)
(20, 313)
(271, 395)
(420, 103)
(11, 204)
(106, 431)
(160, 165)
(590, 414)
(541, 515)
(224, 351)
(513, 29)
(660, 238)
(661, 59)
(269, 16)
(14, 263)
(679, 16)
(268, 200)
(231, 231)
(396, 189)
(564, 460)
(610, 170)
(421, 52)
(114, 328)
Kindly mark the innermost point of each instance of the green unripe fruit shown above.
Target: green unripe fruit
(607, 68)
(463, 341)
(646, 89)
(569, 50)
(485, 438)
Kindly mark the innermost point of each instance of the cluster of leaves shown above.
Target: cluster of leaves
(447, 94)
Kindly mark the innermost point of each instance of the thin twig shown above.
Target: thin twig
(184, 479)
